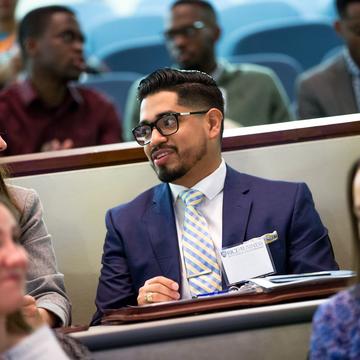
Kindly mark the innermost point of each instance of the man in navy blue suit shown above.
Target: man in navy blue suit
(181, 130)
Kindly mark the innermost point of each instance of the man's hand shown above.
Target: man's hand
(57, 145)
(35, 316)
(158, 289)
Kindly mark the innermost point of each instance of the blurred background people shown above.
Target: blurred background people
(253, 94)
(46, 296)
(333, 87)
(52, 113)
(336, 327)
(10, 58)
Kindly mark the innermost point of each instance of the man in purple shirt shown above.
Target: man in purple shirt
(44, 112)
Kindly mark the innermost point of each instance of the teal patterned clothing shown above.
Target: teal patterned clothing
(336, 327)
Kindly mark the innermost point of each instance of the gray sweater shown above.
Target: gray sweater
(44, 282)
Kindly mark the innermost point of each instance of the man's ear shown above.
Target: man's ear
(214, 118)
(31, 46)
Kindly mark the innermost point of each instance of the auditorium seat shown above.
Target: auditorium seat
(305, 40)
(286, 68)
(119, 29)
(142, 55)
(332, 52)
(329, 10)
(240, 15)
(113, 84)
(90, 13)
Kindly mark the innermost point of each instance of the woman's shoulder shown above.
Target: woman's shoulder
(19, 193)
(26, 200)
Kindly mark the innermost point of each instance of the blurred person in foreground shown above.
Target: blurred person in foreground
(46, 296)
(336, 326)
(45, 108)
(333, 87)
(253, 94)
(21, 337)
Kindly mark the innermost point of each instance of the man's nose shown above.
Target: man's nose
(157, 137)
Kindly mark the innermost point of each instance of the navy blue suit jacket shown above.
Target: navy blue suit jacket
(141, 240)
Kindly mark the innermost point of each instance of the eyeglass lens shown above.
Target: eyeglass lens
(166, 125)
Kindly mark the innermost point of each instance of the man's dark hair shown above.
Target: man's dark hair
(208, 9)
(341, 6)
(194, 88)
(35, 22)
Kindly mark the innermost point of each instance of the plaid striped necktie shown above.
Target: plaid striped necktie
(203, 271)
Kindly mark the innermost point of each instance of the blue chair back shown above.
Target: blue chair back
(329, 10)
(121, 29)
(332, 53)
(115, 85)
(239, 16)
(163, 6)
(307, 41)
(142, 56)
(91, 12)
(286, 68)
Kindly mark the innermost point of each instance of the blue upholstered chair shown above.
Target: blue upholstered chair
(120, 29)
(114, 84)
(141, 55)
(241, 15)
(91, 12)
(332, 53)
(307, 41)
(286, 68)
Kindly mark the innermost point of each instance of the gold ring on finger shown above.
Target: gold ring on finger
(149, 297)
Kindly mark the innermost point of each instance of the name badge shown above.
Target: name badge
(248, 260)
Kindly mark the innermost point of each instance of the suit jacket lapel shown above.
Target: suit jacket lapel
(161, 226)
(236, 208)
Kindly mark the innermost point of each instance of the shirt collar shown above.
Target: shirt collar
(210, 186)
(350, 63)
(29, 94)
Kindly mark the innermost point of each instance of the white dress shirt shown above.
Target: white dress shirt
(211, 208)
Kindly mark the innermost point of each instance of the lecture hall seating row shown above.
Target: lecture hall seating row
(78, 186)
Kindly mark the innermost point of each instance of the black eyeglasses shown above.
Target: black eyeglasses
(187, 31)
(166, 125)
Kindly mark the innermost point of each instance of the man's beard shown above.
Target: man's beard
(171, 175)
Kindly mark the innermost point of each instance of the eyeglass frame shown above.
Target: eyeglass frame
(169, 35)
(153, 125)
